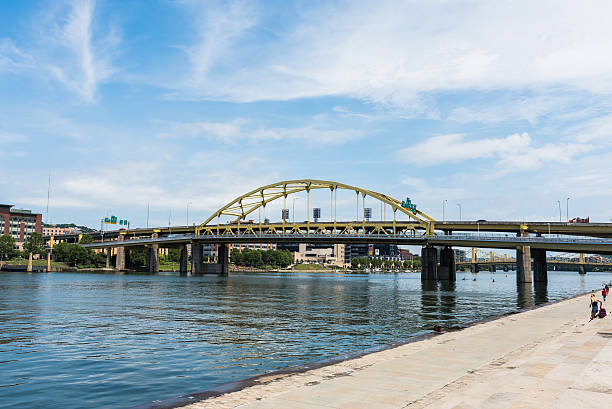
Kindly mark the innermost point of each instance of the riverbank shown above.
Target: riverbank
(551, 356)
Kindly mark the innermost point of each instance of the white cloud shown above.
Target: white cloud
(219, 26)
(392, 53)
(8, 137)
(513, 153)
(241, 129)
(86, 62)
(68, 47)
(13, 59)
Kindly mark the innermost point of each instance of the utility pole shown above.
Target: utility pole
(567, 209)
(459, 205)
(559, 203)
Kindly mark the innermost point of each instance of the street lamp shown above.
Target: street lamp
(444, 211)
(559, 203)
(567, 209)
(188, 203)
(459, 205)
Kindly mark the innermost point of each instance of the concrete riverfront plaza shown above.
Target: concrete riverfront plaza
(548, 357)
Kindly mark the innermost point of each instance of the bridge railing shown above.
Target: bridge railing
(364, 237)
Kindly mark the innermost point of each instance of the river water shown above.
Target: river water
(70, 340)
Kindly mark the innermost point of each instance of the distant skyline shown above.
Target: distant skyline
(501, 107)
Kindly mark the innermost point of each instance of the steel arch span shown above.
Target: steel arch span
(260, 197)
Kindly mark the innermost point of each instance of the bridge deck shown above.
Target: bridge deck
(549, 357)
(590, 245)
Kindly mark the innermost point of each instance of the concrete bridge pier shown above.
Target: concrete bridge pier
(153, 259)
(120, 259)
(506, 269)
(492, 268)
(197, 259)
(153, 256)
(184, 260)
(523, 264)
(540, 273)
(447, 269)
(429, 263)
(108, 257)
(581, 269)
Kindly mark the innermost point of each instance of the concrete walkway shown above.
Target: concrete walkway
(549, 357)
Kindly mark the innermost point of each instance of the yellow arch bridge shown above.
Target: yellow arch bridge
(419, 229)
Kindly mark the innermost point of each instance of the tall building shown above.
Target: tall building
(19, 223)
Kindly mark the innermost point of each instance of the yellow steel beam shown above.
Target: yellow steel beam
(253, 200)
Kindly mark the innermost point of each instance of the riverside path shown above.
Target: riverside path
(548, 357)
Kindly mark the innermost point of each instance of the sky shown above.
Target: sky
(499, 109)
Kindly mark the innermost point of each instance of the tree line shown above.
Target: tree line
(261, 258)
(366, 262)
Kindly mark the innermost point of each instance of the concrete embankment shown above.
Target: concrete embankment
(548, 357)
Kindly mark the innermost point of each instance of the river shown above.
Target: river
(69, 340)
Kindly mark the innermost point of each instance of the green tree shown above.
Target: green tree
(355, 263)
(35, 244)
(236, 257)
(86, 239)
(7, 246)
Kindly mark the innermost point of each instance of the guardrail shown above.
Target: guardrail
(361, 237)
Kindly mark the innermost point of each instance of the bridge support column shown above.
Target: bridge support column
(197, 259)
(120, 259)
(153, 256)
(540, 273)
(153, 259)
(523, 264)
(448, 268)
(108, 257)
(184, 260)
(429, 263)
(581, 269)
(492, 268)
(223, 258)
(48, 262)
(29, 269)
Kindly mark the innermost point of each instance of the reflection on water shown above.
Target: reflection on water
(121, 340)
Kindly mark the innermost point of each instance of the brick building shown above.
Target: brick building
(19, 223)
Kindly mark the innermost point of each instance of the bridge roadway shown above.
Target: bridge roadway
(561, 244)
(602, 230)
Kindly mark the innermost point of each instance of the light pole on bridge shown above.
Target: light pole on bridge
(567, 209)
(444, 211)
(559, 203)
(188, 203)
(459, 205)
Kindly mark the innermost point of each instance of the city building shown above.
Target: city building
(19, 223)
(382, 251)
(55, 231)
(320, 253)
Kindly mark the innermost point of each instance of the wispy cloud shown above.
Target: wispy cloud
(393, 54)
(13, 59)
(87, 61)
(68, 47)
(513, 153)
(241, 129)
(8, 137)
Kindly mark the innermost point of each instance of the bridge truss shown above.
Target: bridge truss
(242, 206)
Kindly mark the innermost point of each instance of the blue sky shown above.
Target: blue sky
(502, 107)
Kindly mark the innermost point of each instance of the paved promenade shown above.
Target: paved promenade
(549, 357)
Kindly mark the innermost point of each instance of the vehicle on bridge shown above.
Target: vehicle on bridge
(579, 220)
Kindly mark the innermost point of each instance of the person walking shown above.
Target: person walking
(605, 291)
(594, 304)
